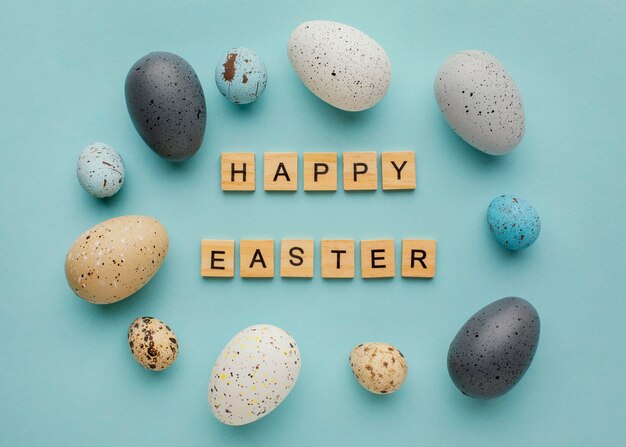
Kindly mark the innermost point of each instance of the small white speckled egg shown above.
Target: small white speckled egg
(100, 170)
(116, 258)
(254, 373)
(379, 367)
(152, 343)
(480, 101)
(340, 64)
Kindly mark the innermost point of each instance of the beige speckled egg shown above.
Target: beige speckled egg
(116, 258)
(152, 343)
(379, 367)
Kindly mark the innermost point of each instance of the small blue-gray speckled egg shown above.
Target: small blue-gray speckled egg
(100, 170)
(513, 222)
(241, 76)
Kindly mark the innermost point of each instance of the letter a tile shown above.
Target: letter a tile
(256, 259)
(280, 171)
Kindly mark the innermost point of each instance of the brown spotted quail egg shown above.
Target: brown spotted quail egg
(152, 343)
(379, 367)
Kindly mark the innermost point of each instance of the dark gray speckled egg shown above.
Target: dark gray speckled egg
(166, 104)
(494, 348)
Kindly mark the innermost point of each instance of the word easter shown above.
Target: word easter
(360, 171)
(256, 258)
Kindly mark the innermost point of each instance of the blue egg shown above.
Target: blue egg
(241, 76)
(513, 222)
(100, 170)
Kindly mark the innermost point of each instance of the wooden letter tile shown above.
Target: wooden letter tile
(337, 259)
(418, 258)
(238, 171)
(280, 171)
(377, 259)
(320, 171)
(218, 259)
(256, 259)
(398, 170)
(296, 258)
(360, 171)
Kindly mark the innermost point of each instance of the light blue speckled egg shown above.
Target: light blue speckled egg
(241, 76)
(100, 170)
(513, 222)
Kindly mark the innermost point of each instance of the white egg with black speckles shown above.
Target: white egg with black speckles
(100, 170)
(152, 343)
(254, 373)
(480, 101)
(340, 64)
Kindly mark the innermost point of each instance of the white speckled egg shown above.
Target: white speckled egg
(379, 367)
(100, 170)
(340, 64)
(116, 258)
(152, 343)
(480, 101)
(254, 373)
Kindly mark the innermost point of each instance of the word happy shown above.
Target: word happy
(280, 171)
(297, 258)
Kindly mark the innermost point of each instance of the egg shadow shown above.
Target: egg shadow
(101, 206)
(373, 402)
(254, 432)
(135, 304)
(465, 150)
(480, 410)
(137, 372)
(330, 113)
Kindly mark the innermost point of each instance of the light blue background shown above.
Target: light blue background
(66, 375)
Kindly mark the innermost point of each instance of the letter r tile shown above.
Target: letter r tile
(419, 258)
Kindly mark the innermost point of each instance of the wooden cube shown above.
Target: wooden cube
(419, 258)
(280, 171)
(337, 258)
(377, 259)
(238, 171)
(256, 259)
(398, 170)
(296, 258)
(218, 259)
(360, 171)
(320, 171)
